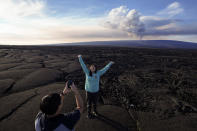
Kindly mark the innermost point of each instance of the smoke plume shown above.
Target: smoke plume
(125, 20)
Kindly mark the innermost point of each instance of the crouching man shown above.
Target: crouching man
(50, 119)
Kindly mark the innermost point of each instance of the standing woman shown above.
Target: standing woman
(92, 85)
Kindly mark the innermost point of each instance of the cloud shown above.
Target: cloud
(28, 22)
(135, 23)
(15, 9)
(173, 29)
(31, 22)
(159, 26)
(49, 30)
(155, 21)
(125, 20)
(172, 9)
(61, 34)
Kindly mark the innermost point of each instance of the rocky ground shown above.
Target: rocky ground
(146, 89)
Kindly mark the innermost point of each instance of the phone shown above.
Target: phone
(69, 83)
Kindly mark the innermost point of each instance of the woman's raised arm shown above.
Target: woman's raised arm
(102, 71)
(84, 67)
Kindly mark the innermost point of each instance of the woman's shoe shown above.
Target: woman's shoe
(95, 113)
(89, 116)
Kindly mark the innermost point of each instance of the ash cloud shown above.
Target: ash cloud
(125, 20)
(160, 24)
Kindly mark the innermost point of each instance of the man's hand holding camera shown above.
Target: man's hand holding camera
(70, 86)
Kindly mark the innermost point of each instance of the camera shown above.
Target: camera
(69, 83)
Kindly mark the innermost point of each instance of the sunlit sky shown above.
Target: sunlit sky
(64, 21)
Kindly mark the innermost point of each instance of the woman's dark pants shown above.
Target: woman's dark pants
(91, 99)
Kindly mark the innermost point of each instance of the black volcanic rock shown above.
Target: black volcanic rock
(37, 78)
(140, 82)
(8, 66)
(28, 66)
(15, 74)
(5, 85)
(111, 118)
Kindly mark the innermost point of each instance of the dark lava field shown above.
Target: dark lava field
(145, 90)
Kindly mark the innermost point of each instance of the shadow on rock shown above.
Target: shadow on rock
(111, 122)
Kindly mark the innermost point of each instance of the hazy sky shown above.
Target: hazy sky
(62, 21)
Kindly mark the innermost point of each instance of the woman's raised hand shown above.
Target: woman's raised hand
(79, 56)
(112, 62)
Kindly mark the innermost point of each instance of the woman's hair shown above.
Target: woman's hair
(90, 73)
(50, 103)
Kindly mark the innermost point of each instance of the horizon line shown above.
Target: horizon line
(48, 44)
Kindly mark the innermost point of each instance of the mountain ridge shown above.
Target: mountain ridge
(137, 43)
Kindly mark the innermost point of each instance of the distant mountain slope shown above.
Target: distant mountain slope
(139, 43)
